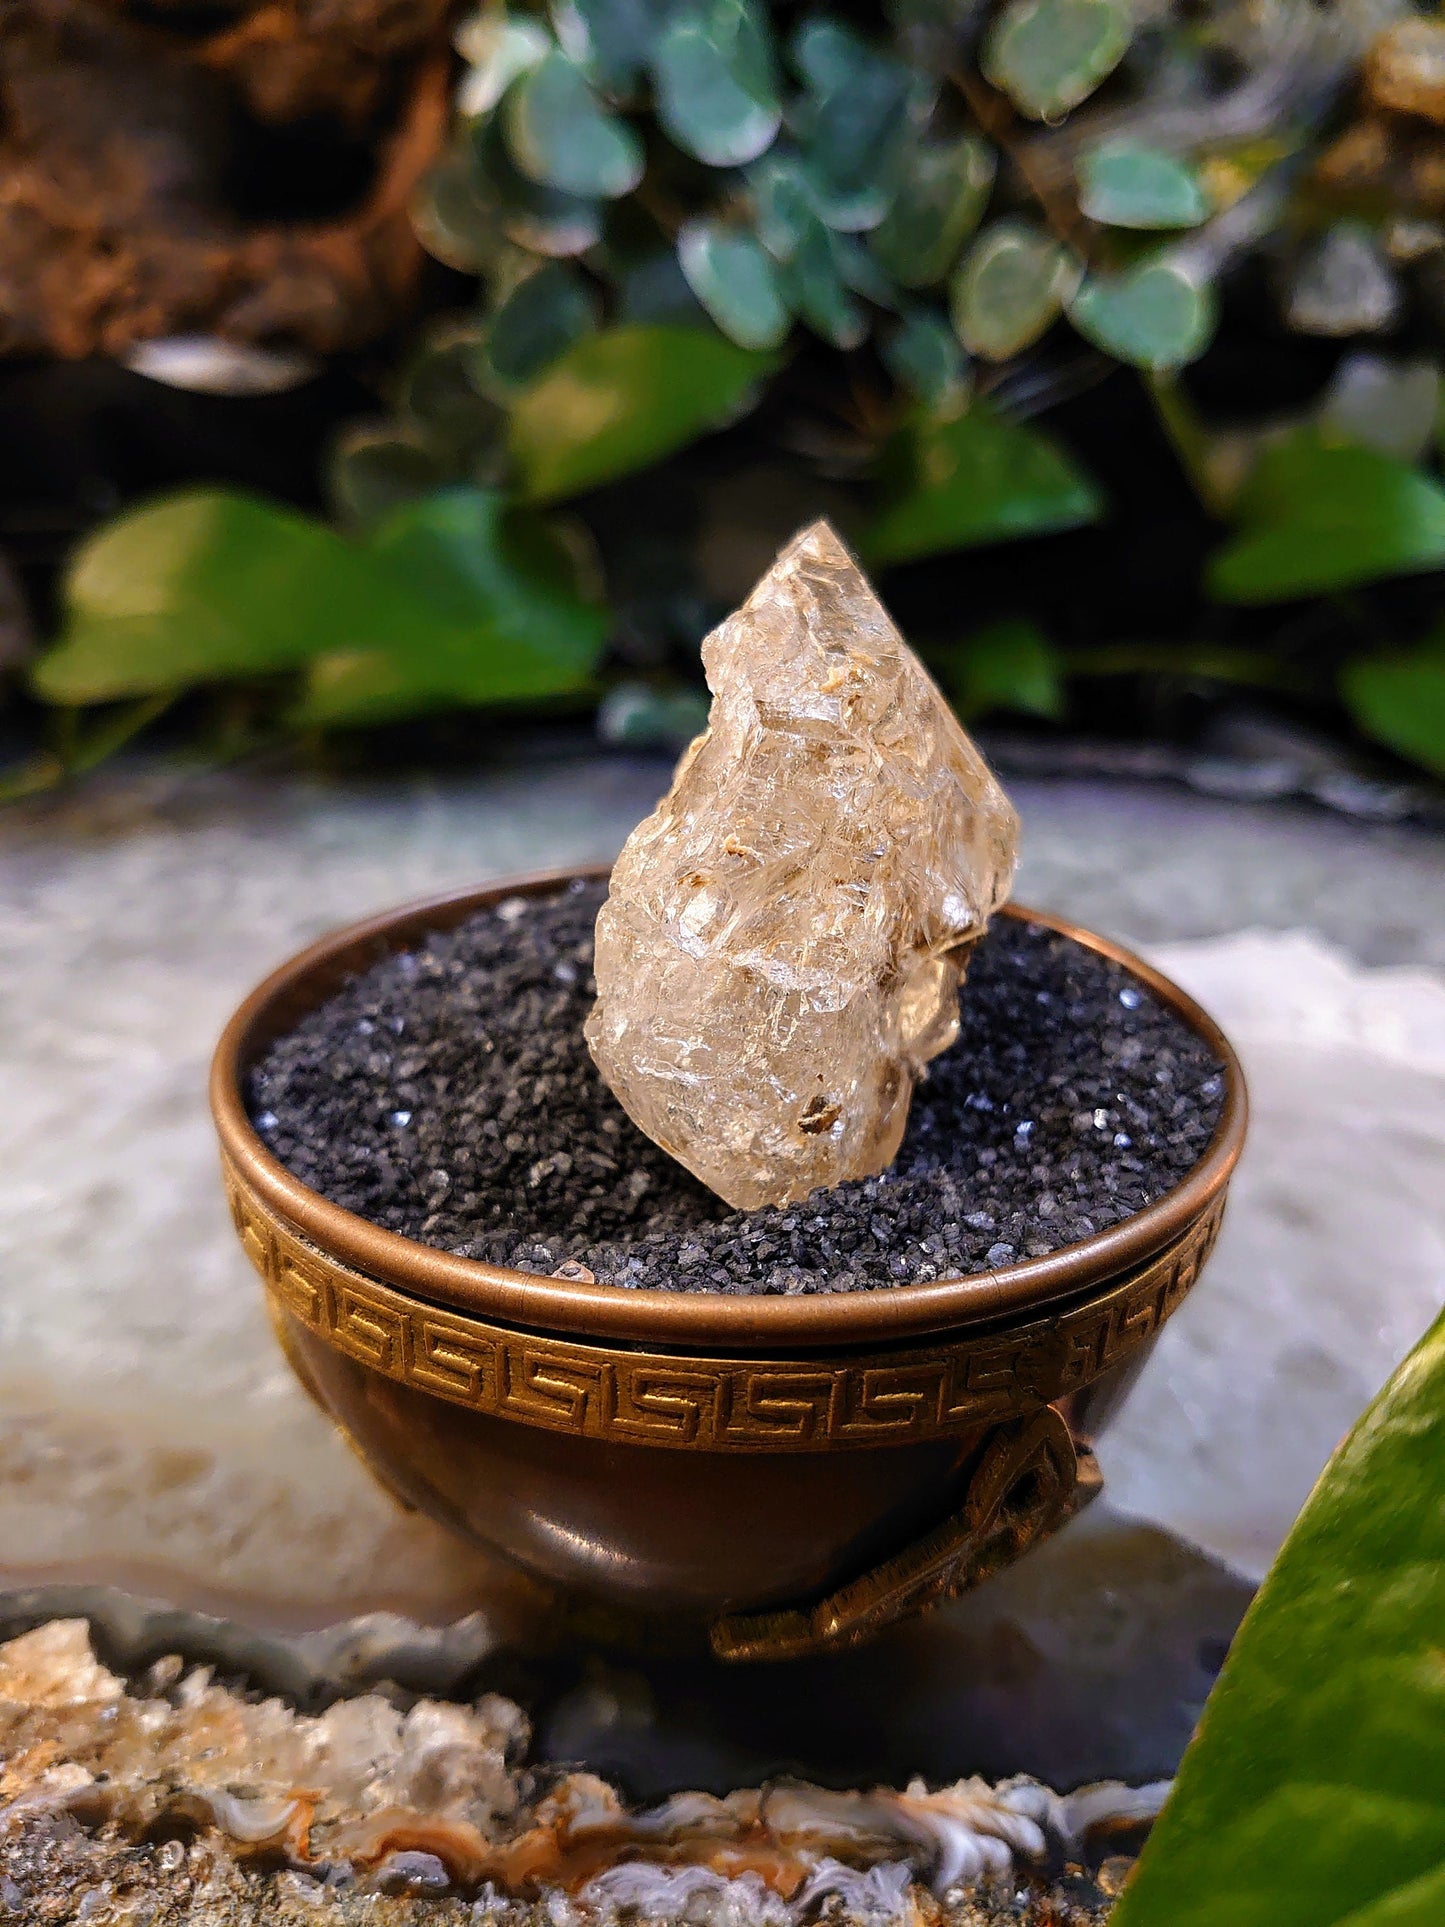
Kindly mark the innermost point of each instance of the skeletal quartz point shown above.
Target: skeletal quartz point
(782, 945)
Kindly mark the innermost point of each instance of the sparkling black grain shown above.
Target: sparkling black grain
(448, 1094)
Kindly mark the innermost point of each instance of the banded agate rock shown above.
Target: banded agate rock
(782, 945)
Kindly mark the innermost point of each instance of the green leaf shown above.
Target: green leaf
(819, 270)
(1008, 665)
(853, 125)
(826, 53)
(206, 586)
(1313, 1794)
(715, 81)
(814, 287)
(560, 135)
(653, 287)
(1010, 289)
(1125, 184)
(1421, 1903)
(1400, 701)
(1317, 516)
(735, 281)
(497, 48)
(437, 397)
(624, 398)
(537, 219)
(940, 201)
(634, 715)
(454, 219)
(783, 208)
(860, 269)
(954, 485)
(1390, 406)
(539, 321)
(373, 466)
(1156, 315)
(500, 614)
(612, 39)
(1048, 55)
(923, 355)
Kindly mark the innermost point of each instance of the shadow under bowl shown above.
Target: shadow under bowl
(793, 1473)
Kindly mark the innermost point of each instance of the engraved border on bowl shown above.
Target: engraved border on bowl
(687, 1402)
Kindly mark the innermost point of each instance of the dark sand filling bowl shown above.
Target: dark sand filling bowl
(794, 1424)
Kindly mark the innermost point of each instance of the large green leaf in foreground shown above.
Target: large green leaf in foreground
(1314, 1792)
(456, 599)
(206, 586)
(624, 398)
(503, 616)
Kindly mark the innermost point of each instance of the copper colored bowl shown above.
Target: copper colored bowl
(793, 1472)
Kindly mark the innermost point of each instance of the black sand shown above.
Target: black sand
(448, 1095)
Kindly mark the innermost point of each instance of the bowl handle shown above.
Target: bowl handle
(1030, 1477)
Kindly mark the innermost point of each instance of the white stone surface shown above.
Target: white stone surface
(1331, 1262)
(149, 1435)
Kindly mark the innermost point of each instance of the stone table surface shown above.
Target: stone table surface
(151, 1442)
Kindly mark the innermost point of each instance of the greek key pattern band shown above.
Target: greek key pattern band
(600, 1391)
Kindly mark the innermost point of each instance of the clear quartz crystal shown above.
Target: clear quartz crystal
(781, 949)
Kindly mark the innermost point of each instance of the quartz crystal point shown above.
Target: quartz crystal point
(781, 949)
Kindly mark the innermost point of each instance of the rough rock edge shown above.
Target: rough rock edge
(181, 1800)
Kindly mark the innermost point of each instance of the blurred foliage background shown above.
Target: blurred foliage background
(1109, 331)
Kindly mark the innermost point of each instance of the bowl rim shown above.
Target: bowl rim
(675, 1319)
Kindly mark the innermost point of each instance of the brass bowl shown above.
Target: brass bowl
(793, 1472)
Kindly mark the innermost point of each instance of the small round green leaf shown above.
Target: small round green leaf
(538, 321)
(455, 220)
(524, 214)
(783, 210)
(624, 398)
(815, 289)
(497, 47)
(1400, 701)
(611, 39)
(940, 201)
(1010, 289)
(207, 586)
(653, 287)
(826, 53)
(853, 125)
(437, 396)
(1390, 406)
(1156, 315)
(560, 135)
(954, 485)
(1127, 185)
(715, 82)
(1048, 55)
(375, 466)
(924, 357)
(736, 282)
(634, 715)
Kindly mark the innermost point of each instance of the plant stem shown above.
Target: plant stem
(1189, 439)
(1213, 663)
(998, 120)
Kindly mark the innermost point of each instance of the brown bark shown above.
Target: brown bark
(131, 144)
